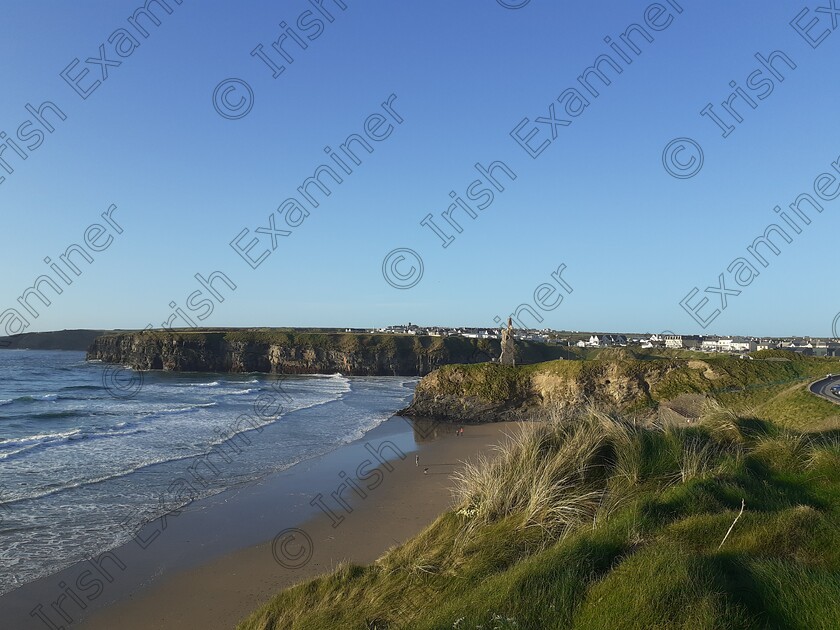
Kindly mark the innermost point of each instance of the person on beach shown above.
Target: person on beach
(426, 470)
(416, 460)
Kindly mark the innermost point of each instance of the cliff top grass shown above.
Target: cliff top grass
(290, 336)
(742, 383)
(588, 521)
(460, 348)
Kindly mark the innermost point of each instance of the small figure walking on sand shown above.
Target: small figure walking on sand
(416, 460)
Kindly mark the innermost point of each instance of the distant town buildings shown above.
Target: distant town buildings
(603, 341)
(689, 342)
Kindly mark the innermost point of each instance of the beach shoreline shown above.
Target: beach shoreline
(214, 562)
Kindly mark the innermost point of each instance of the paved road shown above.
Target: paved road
(823, 388)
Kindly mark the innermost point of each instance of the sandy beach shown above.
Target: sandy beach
(219, 559)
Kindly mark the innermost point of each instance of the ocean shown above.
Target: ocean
(84, 464)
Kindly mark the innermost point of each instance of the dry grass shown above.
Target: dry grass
(548, 473)
(575, 467)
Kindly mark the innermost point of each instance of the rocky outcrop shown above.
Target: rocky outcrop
(490, 393)
(493, 392)
(282, 352)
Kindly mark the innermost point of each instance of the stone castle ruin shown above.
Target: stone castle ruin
(508, 348)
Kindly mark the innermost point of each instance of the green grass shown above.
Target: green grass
(587, 520)
(641, 385)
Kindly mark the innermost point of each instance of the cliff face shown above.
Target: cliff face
(292, 353)
(493, 392)
(489, 393)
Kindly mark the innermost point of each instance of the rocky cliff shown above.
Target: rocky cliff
(492, 392)
(290, 352)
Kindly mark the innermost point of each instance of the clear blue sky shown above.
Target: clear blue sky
(635, 240)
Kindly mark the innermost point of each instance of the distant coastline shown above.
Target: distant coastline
(76, 339)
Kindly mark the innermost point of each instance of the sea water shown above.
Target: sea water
(81, 469)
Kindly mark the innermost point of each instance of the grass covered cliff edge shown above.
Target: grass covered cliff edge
(675, 385)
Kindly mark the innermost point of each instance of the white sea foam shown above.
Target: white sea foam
(188, 408)
(41, 437)
(241, 392)
(51, 439)
(79, 483)
(115, 459)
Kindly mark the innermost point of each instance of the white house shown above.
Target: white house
(742, 344)
(710, 344)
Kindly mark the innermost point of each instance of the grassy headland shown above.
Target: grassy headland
(78, 339)
(597, 517)
(489, 391)
(286, 351)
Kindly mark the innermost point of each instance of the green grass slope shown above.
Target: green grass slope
(588, 520)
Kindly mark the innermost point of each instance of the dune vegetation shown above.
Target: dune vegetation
(592, 518)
